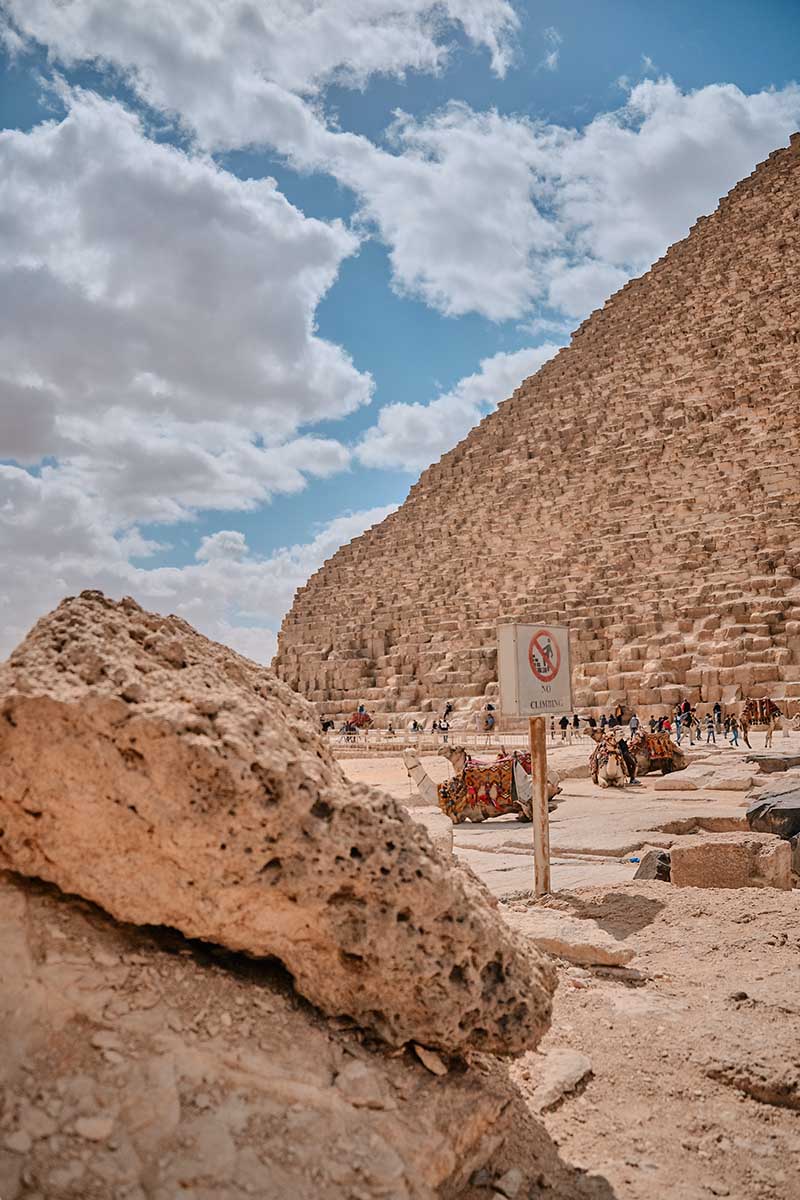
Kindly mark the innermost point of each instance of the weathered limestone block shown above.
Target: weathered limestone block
(732, 860)
(175, 783)
(576, 939)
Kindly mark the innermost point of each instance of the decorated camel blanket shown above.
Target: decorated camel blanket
(760, 712)
(488, 786)
(654, 745)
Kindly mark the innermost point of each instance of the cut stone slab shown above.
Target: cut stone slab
(732, 781)
(677, 782)
(560, 1071)
(732, 860)
(579, 940)
(770, 762)
(173, 782)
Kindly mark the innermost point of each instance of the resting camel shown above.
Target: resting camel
(656, 752)
(479, 790)
(607, 764)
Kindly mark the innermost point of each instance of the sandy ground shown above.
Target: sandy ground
(694, 1089)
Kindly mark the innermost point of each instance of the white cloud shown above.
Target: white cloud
(157, 320)
(411, 436)
(181, 50)
(225, 545)
(480, 211)
(58, 541)
(553, 40)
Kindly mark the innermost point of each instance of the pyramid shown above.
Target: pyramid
(642, 488)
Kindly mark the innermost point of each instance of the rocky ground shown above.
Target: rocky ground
(362, 1020)
(678, 1074)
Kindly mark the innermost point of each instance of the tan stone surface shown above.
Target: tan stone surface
(732, 860)
(175, 783)
(138, 1065)
(578, 941)
(644, 491)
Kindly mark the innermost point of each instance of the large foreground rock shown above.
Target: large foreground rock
(732, 860)
(137, 1065)
(175, 783)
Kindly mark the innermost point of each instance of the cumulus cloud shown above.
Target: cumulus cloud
(59, 541)
(178, 52)
(481, 212)
(409, 437)
(157, 320)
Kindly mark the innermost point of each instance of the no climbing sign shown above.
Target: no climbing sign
(535, 676)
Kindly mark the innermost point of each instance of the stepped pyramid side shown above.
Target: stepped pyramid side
(643, 487)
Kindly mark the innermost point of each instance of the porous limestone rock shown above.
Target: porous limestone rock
(732, 860)
(175, 783)
(225, 1083)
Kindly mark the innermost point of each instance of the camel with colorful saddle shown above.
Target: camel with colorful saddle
(607, 762)
(656, 752)
(479, 790)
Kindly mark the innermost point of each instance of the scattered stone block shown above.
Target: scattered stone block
(679, 782)
(578, 940)
(731, 781)
(732, 860)
(560, 1072)
(777, 813)
(655, 864)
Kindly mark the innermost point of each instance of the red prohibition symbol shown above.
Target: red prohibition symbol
(544, 656)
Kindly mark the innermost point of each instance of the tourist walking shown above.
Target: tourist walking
(564, 723)
(603, 722)
(634, 724)
(718, 716)
(734, 732)
(711, 735)
(552, 729)
(653, 723)
(678, 727)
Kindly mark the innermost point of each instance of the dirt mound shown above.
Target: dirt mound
(175, 783)
(139, 1064)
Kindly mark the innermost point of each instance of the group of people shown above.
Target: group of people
(685, 721)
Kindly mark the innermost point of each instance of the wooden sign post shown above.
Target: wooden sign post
(541, 816)
(535, 679)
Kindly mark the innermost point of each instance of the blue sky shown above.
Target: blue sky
(212, 380)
